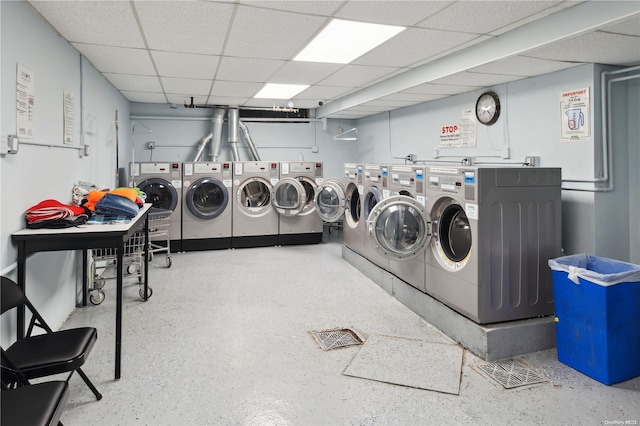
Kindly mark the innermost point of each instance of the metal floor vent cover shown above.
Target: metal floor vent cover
(336, 339)
(511, 373)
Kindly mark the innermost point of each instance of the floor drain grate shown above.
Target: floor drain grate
(511, 373)
(336, 339)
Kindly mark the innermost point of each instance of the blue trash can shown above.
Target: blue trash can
(597, 305)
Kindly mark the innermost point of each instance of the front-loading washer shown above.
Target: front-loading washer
(162, 184)
(206, 205)
(487, 234)
(293, 197)
(255, 221)
(354, 223)
(375, 188)
(408, 180)
(331, 200)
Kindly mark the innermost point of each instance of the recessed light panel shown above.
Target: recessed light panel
(280, 91)
(343, 41)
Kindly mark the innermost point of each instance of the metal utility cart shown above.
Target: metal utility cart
(159, 233)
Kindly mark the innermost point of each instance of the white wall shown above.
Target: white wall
(177, 138)
(530, 126)
(39, 172)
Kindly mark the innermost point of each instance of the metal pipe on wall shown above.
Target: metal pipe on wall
(201, 146)
(217, 120)
(234, 118)
(249, 141)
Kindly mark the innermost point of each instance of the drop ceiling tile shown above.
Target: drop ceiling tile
(324, 92)
(441, 89)
(596, 47)
(185, 65)
(553, 7)
(235, 89)
(186, 99)
(151, 98)
(185, 26)
(476, 79)
(293, 72)
(483, 17)
(110, 23)
(357, 75)
(629, 26)
(227, 100)
(324, 7)
(119, 60)
(193, 87)
(245, 69)
(405, 13)
(468, 44)
(138, 83)
(254, 35)
(524, 66)
(412, 46)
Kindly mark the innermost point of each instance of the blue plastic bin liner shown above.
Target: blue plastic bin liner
(597, 305)
(116, 205)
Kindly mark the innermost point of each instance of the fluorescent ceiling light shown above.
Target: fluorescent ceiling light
(343, 41)
(280, 91)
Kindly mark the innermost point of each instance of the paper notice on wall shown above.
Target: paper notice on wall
(468, 128)
(575, 116)
(69, 116)
(450, 135)
(25, 101)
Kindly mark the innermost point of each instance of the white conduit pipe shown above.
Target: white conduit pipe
(234, 114)
(249, 141)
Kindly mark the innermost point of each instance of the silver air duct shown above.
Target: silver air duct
(249, 141)
(234, 118)
(216, 128)
(202, 145)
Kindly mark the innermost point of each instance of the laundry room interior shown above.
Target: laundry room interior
(417, 207)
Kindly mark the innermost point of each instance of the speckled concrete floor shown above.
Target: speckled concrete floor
(225, 341)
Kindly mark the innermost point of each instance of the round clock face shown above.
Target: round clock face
(488, 108)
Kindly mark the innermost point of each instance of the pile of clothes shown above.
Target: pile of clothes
(99, 205)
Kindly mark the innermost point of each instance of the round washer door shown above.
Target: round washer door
(454, 233)
(399, 228)
(288, 197)
(253, 197)
(353, 209)
(207, 198)
(373, 197)
(330, 200)
(160, 192)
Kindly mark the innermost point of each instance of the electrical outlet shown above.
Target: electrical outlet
(151, 145)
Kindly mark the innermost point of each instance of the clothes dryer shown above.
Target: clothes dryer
(375, 189)
(487, 234)
(408, 180)
(206, 205)
(354, 224)
(162, 183)
(293, 197)
(255, 221)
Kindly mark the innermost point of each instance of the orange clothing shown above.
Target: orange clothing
(94, 196)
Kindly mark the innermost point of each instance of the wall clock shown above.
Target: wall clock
(488, 108)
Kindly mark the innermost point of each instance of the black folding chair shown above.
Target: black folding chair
(41, 404)
(41, 355)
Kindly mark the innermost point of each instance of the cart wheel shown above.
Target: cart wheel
(98, 284)
(149, 293)
(150, 256)
(97, 298)
(168, 261)
(131, 269)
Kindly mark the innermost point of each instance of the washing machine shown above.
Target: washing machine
(408, 180)
(353, 229)
(255, 221)
(375, 189)
(486, 234)
(162, 182)
(293, 197)
(206, 205)
(331, 200)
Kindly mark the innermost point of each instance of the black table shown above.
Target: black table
(85, 237)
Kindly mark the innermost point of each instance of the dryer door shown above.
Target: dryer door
(253, 197)
(399, 227)
(288, 197)
(454, 239)
(207, 198)
(160, 192)
(331, 201)
(373, 197)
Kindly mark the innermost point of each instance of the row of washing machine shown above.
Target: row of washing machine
(475, 238)
(218, 205)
